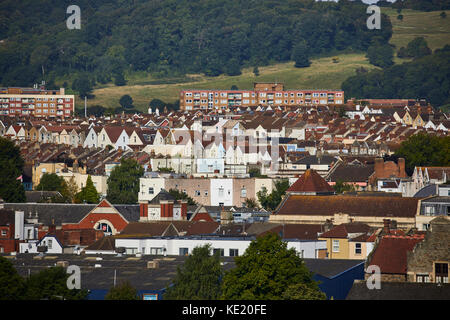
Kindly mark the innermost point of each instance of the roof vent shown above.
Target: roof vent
(153, 264)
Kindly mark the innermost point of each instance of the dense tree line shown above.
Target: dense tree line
(429, 5)
(425, 77)
(172, 37)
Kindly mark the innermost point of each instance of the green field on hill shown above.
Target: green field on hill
(323, 72)
(430, 25)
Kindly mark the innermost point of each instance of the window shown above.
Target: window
(426, 226)
(357, 248)
(441, 272)
(184, 251)
(335, 245)
(220, 251)
(243, 193)
(197, 193)
(131, 251)
(50, 243)
(206, 193)
(234, 252)
(301, 253)
(422, 278)
(143, 250)
(221, 192)
(3, 233)
(429, 210)
(151, 190)
(156, 251)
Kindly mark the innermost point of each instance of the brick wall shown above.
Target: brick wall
(434, 248)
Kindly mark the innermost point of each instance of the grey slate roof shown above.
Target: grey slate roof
(67, 213)
(399, 291)
(429, 190)
(162, 195)
(128, 268)
(330, 268)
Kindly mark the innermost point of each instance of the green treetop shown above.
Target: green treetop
(123, 183)
(11, 167)
(269, 271)
(88, 193)
(199, 277)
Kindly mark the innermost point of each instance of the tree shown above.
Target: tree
(126, 101)
(256, 71)
(424, 150)
(12, 285)
(341, 187)
(156, 103)
(301, 291)
(123, 291)
(232, 68)
(234, 87)
(418, 48)
(51, 284)
(50, 182)
(300, 55)
(400, 17)
(182, 196)
(269, 271)
(342, 113)
(251, 203)
(199, 278)
(271, 201)
(123, 182)
(83, 85)
(381, 55)
(70, 190)
(88, 193)
(119, 79)
(11, 168)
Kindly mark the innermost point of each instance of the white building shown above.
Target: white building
(227, 246)
(221, 192)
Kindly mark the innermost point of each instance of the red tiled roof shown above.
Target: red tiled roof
(366, 206)
(310, 181)
(391, 253)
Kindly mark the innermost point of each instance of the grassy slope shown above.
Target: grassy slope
(419, 24)
(323, 73)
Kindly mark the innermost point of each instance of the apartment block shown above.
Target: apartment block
(36, 102)
(263, 94)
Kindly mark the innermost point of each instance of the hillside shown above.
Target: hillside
(323, 73)
(429, 25)
(171, 38)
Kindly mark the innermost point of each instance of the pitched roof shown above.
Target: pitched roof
(351, 173)
(399, 291)
(6, 217)
(310, 181)
(343, 230)
(67, 213)
(391, 253)
(366, 206)
(103, 244)
(161, 196)
(330, 268)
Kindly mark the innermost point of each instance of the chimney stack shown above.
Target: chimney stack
(386, 227)
(401, 168)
